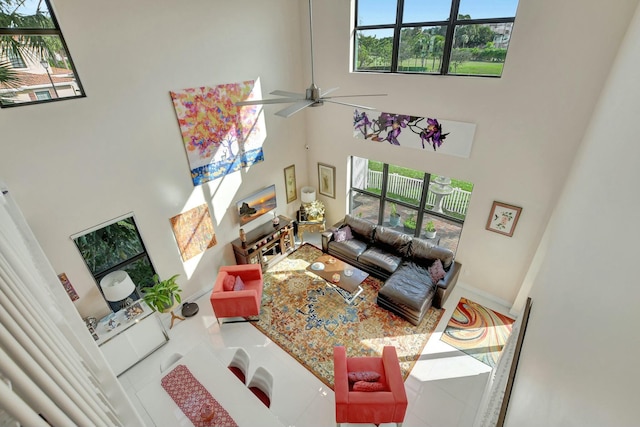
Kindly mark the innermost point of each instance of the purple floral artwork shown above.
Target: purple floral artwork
(388, 127)
(414, 132)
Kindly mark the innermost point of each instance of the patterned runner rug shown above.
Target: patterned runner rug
(307, 318)
(477, 331)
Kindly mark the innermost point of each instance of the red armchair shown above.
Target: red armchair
(242, 303)
(388, 406)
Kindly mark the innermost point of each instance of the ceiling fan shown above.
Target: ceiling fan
(313, 96)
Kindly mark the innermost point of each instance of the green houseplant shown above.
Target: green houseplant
(394, 216)
(162, 294)
(410, 224)
(430, 229)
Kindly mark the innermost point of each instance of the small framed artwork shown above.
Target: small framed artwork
(290, 183)
(327, 180)
(503, 218)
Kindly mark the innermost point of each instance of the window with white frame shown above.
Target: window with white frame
(34, 55)
(451, 37)
(411, 201)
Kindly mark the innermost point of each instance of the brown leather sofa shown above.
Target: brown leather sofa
(402, 261)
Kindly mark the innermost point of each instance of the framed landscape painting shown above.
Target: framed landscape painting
(327, 180)
(503, 218)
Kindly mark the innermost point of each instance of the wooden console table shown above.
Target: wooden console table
(266, 244)
(310, 226)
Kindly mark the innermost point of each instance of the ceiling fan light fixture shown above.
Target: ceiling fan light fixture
(313, 96)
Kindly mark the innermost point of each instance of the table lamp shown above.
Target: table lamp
(117, 286)
(308, 194)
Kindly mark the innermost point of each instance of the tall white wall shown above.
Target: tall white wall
(579, 361)
(75, 164)
(529, 122)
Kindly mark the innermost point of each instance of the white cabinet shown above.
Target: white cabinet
(132, 338)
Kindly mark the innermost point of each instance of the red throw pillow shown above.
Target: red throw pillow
(368, 376)
(239, 285)
(367, 386)
(436, 271)
(228, 282)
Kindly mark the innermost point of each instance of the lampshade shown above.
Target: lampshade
(117, 286)
(308, 194)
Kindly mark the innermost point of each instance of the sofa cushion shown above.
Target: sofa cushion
(424, 253)
(368, 386)
(380, 258)
(436, 271)
(410, 286)
(239, 284)
(350, 249)
(370, 376)
(360, 227)
(343, 234)
(228, 282)
(392, 240)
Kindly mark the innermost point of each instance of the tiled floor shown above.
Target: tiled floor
(444, 388)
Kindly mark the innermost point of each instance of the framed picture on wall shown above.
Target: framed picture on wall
(503, 218)
(327, 180)
(290, 183)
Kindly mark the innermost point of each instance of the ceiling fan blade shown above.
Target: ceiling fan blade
(351, 96)
(266, 101)
(364, 107)
(291, 110)
(328, 91)
(288, 94)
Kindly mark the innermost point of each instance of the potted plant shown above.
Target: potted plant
(394, 216)
(163, 293)
(410, 224)
(430, 229)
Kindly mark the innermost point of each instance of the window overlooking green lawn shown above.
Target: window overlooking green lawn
(451, 37)
(407, 200)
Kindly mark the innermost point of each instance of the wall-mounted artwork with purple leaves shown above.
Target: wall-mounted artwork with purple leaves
(219, 137)
(424, 133)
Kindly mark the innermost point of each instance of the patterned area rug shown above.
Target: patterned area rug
(478, 331)
(307, 318)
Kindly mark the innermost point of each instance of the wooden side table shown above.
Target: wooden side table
(310, 226)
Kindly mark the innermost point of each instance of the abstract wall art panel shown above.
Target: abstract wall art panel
(423, 133)
(194, 232)
(219, 137)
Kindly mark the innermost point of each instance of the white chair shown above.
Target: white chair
(173, 358)
(261, 385)
(239, 365)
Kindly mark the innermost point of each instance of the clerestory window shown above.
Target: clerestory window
(451, 37)
(34, 58)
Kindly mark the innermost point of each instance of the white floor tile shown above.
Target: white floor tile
(444, 387)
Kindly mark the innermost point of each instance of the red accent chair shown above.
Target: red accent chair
(374, 407)
(242, 303)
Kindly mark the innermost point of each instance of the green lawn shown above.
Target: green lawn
(464, 68)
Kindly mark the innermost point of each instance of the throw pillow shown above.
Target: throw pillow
(368, 376)
(228, 282)
(239, 285)
(368, 386)
(343, 234)
(436, 271)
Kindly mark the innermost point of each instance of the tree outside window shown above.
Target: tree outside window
(451, 37)
(33, 55)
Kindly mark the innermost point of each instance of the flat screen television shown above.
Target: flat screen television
(256, 205)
